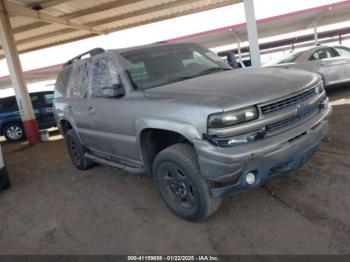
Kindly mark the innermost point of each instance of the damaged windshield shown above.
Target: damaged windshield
(161, 65)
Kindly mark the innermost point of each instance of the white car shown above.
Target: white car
(4, 179)
(332, 63)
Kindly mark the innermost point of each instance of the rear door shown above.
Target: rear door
(331, 65)
(46, 111)
(76, 108)
(37, 103)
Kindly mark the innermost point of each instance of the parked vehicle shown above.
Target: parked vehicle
(10, 119)
(182, 115)
(4, 178)
(332, 63)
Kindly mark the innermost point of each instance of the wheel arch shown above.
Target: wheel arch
(155, 135)
(9, 121)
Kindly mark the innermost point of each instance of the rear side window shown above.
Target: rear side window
(62, 82)
(103, 74)
(8, 104)
(324, 53)
(79, 80)
(35, 99)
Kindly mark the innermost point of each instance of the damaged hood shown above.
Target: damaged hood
(236, 88)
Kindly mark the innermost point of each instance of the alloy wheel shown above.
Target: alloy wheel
(14, 132)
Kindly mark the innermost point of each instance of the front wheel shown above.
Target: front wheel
(14, 132)
(181, 186)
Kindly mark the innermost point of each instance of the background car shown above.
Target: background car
(10, 119)
(332, 63)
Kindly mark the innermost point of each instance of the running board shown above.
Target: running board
(134, 170)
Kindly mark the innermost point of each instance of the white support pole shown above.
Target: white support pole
(16, 73)
(238, 41)
(252, 33)
(315, 33)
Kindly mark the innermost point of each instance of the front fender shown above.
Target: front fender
(182, 128)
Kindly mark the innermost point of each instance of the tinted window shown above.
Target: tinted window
(154, 66)
(104, 74)
(343, 51)
(8, 104)
(323, 53)
(35, 99)
(48, 98)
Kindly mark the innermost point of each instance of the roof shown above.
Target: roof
(38, 24)
(276, 25)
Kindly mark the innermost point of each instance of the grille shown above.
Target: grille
(290, 120)
(287, 102)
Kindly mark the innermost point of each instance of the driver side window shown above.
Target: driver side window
(103, 75)
(323, 53)
(343, 51)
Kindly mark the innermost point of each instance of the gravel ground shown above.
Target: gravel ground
(52, 208)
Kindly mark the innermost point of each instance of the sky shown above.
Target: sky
(160, 31)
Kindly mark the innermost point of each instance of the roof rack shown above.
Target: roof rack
(91, 52)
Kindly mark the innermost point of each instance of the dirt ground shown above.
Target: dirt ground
(52, 208)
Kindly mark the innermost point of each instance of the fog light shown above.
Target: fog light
(250, 178)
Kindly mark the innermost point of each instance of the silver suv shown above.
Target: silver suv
(180, 114)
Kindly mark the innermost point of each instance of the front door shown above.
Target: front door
(344, 53)
(331, 65)
(112, 130)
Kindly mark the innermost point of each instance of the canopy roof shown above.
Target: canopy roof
(38, 24)
(272, 26)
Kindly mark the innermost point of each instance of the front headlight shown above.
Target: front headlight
(231, 118)
(319, 88)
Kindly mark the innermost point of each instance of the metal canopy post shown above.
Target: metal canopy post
(16, 73)
(252, 33)
(315, 33)
(238, 41)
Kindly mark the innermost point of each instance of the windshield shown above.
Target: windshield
(160, 65)
(284, 59)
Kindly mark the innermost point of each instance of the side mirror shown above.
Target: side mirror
(116, 90)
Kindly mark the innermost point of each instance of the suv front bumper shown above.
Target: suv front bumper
(276, 155)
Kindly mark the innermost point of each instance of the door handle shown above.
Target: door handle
(91, 110)
(70, 108)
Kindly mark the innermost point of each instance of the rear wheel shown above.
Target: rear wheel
(77, 151)
(14, 132)
(181, 185)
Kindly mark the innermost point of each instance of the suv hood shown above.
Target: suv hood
(236, 88)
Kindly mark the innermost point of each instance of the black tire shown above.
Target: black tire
(181, 185)
(76, 151)
(14, 132)
(4, 180)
